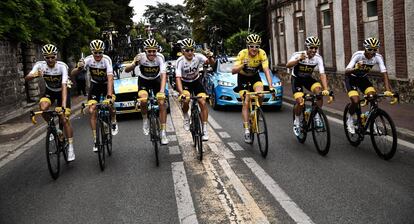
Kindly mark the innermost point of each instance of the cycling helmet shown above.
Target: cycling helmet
(187, 43)
(371, 42)
(253, 39)
(97, 45)
(312, 42)
(150, 44)
(49, 49)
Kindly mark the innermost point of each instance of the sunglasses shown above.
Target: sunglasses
(371, 49)
(97, 52)
(151, 51)
(254, 46)
(189, 50)
(313, 48)
(47, 58)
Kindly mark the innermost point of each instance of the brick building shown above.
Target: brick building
(342, 25)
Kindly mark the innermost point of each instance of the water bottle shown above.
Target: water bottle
(364, 117)
(307, 113)
(60, 134)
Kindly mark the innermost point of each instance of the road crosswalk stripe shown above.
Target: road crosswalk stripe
(213, 123)
(284, 200)
(186, 211)
(224, 134)
(174, 150)
(223, 152)
(235, 146)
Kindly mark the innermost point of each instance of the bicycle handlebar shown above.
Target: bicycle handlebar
(99, 105)
(33, 114)
(372, 97)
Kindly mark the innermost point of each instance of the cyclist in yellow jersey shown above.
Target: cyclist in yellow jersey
(247, 65)
(55, 74)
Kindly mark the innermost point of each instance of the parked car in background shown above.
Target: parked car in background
(221, 85)
(126, 91)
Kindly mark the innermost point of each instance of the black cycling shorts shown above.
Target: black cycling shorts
(195, 86)
(354, 83)
(96, 90)
(299, 82)
(247, 82)
(145, 84)
(53, 96)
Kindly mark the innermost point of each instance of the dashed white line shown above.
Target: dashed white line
(174, 150)
(224, 134)
(223, 151)
(172, 138)
(255, 213)
(235, 146)
(213, 123)
(185, 206)
(285, 201)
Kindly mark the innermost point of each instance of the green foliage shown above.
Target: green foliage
(236, 42)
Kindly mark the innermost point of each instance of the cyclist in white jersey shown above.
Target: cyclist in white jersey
(102, 81)
(356, 76)
(303, 64)
(55, 74)
(152, 76)
(188, 80)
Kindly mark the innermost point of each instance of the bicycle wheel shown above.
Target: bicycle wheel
(100, 141)
(108, 138)
(65, 148)
(252, 128)
(52, 153)
(320, 132)
(303, 127)
(354, 139)
(199, 137)
(261, 132)
(383, 134)
(154, 136)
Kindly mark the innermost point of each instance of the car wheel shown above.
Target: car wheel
(213, 100)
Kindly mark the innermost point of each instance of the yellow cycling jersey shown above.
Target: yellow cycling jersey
(253, 63)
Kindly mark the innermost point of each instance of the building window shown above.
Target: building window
(326, 18)
(281, 25)
(372, 8)
(301, 24)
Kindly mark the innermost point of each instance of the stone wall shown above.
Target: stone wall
(15, 63)
(336, 83)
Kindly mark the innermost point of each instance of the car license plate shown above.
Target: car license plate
(127, 104)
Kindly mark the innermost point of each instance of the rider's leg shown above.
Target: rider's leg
(92, 117)
(143, 98)
(44, 105)
(258, 86)
(316, 88)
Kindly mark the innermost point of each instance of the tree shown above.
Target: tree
(234, 43)
(196, 10)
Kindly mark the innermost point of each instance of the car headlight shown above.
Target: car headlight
(276, 84)
(224, 83)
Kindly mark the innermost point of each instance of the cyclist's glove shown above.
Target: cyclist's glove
(325, 92)
(160, 96)
(108, 100)
(59, 110)
(388, 93)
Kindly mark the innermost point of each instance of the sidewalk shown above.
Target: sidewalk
(401, 114)
(16, 132)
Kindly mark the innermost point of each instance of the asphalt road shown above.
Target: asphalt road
(233, 184)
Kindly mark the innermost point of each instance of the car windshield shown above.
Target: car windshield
(225, 67)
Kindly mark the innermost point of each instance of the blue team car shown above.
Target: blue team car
(126, 91)
(221, 85)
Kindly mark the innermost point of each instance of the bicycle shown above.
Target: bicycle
(320, 129)
(257, 121)
(103, 132)
(154, 122)
(56, 142)
(196, 125)
(376, 123)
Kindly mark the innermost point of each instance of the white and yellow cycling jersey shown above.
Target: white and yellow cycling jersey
(367, 64)
(188, 70)
(99, 70)
(54, 77)
(150, 70)
(305, 67)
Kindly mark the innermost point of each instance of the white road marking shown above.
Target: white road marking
(235, 146)
(255, 213)
(213, 123)
(174, 150)
(172, 138)
(224, 151)
(284, 200)
(170, 126)
(185, 206)
(224, 134)
(231, 211)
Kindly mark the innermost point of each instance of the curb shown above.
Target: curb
(402, 133)
(14, 146)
